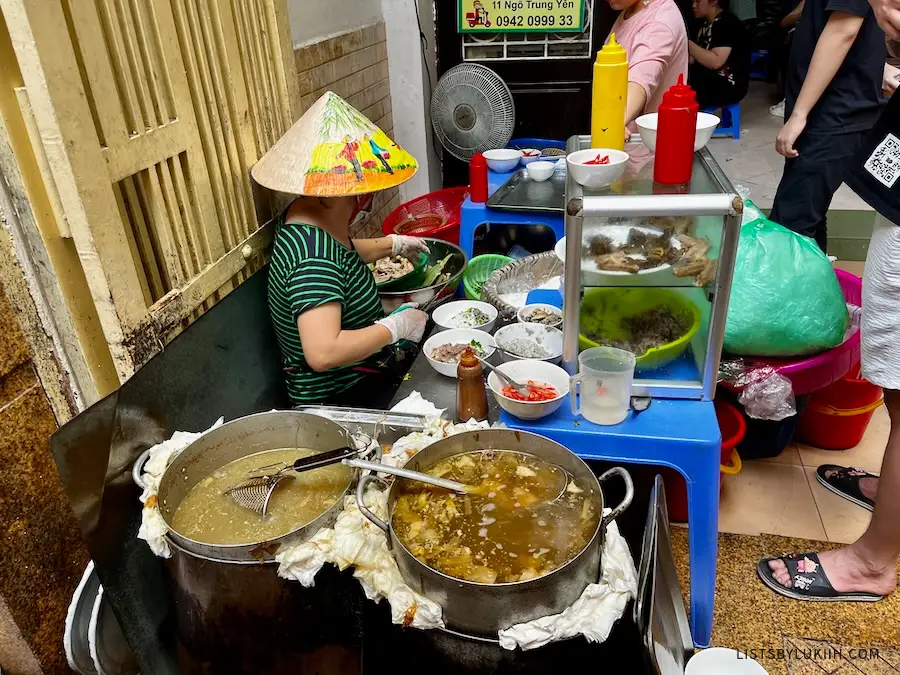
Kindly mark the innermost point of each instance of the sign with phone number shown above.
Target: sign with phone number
(526, 16)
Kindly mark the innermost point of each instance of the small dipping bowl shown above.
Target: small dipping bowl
(540, 171)
(596, 176)
(530, 155)
(503, 160)
(539, 372)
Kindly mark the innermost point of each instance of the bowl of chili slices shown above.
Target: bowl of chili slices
(597, 167)
(548, 386)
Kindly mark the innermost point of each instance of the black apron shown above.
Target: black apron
(875, 170)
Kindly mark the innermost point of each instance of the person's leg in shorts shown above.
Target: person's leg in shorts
(810, 181)
(869, 565)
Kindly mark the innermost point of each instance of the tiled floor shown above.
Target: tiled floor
(752, 161)
(781, 495)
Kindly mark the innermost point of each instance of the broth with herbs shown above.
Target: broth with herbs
(513, 526)
(208, 515)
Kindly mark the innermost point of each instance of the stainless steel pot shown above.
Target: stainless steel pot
(233, 614)
(483, 609)
(239, 438)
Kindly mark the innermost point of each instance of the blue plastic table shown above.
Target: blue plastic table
(472, 215)
(682, 435)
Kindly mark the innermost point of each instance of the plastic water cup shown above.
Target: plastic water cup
(722, 661)
(601, 392)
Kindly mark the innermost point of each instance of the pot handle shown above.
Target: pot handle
(138, 469)
(629, 493)
(360, 501)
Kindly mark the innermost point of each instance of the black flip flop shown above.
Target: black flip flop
(844, 481)
(808, 580)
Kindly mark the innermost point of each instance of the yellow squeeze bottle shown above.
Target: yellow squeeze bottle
(609, 95)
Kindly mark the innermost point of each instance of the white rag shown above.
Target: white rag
(153, 528)
(595, 612)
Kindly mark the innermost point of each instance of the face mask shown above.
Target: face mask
(361, 211)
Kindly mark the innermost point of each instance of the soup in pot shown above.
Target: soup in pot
(524, 518)
(208, 515)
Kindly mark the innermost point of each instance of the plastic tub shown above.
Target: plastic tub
(837, 417)
(732, 427)
(818, 371)
(479, 270)
(436, 215)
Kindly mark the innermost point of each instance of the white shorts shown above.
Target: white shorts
(881, 307)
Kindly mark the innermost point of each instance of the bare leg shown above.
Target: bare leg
(870, 564)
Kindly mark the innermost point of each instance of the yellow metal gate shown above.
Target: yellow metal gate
(147, 116)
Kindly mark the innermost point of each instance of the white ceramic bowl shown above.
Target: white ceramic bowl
(706, 125)
(530, 155)
(722, 660)
(456, 336)
(443, 316)
(503, 160)
(596, 175)
(522, 316)
(540, 171)
(548, 337)
(539, 372)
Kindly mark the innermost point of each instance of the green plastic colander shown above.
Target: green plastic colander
(479, 269)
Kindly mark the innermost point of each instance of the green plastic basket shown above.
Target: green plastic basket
(479, 269)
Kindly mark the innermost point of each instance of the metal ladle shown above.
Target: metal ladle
(523, 389)
(255, 493)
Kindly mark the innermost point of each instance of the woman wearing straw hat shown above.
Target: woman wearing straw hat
(324, 304)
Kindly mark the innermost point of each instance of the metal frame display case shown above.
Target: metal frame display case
(708, 207)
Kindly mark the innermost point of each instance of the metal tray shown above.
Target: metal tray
(385, 426)
(520, 193)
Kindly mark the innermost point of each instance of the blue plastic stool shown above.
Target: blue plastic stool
(759, 64)
(472, 215)
(682, 435)
(731, 121)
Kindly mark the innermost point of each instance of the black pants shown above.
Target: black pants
(712, 89)
(380, 384)
(810, 181)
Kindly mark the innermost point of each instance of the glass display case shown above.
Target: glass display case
(653, 267)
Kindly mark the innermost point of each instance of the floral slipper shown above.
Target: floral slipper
(844, 481)
(808, 580)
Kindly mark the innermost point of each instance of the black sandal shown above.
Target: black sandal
(844, 481)
(808, 580)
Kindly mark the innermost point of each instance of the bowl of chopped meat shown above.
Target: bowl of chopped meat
(396, 273)
(444, 349)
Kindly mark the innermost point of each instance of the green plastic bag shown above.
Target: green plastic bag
(785, 297)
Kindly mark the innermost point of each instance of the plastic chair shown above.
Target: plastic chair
(681, 435)
(730, 126)
(759, 64)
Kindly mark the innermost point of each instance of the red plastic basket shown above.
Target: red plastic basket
(433, 215)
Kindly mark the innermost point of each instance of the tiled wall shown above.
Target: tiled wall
(40, 542)
(354, 66)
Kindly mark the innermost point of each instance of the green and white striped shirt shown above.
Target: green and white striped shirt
(310, 268)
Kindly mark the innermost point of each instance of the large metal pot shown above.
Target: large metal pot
(233, 614)
(239, 438)
(483, 609)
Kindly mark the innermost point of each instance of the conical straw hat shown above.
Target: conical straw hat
(334, 151)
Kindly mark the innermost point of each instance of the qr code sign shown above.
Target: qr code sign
(884, 163)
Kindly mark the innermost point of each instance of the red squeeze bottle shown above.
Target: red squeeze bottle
(478, 179)
(676, 129)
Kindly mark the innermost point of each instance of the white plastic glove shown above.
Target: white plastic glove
(408, 247)
(406, 324)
